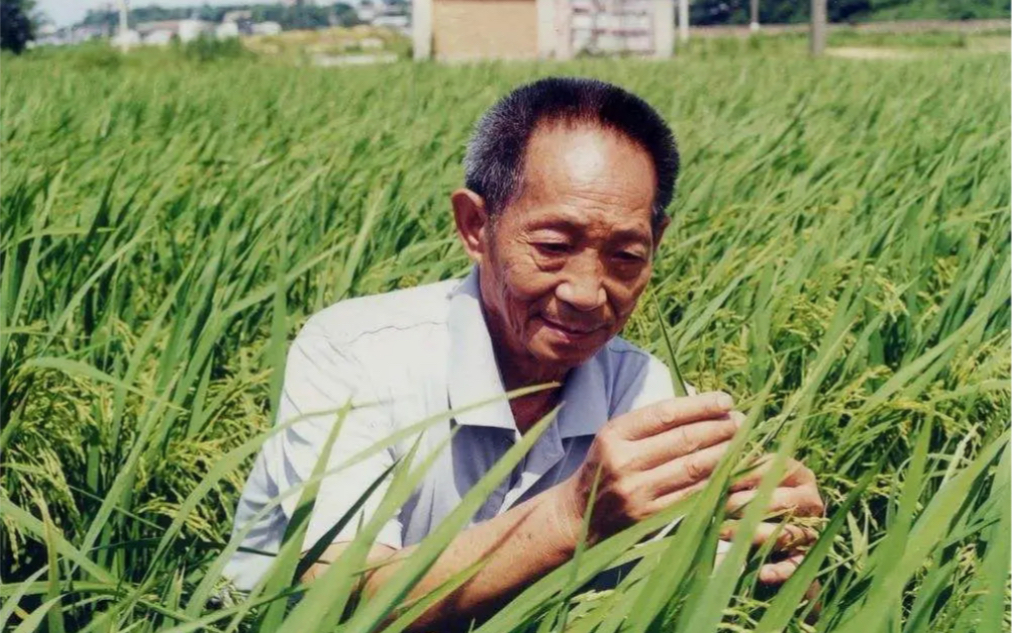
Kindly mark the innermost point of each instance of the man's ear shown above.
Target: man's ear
(472, 218)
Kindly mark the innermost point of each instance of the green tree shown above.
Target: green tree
(16, 28)
(345, 14)
(704, 12)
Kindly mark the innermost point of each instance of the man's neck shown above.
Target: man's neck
(528, 410)
(519, 370)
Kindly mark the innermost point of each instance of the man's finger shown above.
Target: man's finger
(686, 471)
(788, 537)
(686, 439)
(665, 501)
(795, 474)
(803, 501)
(668, 414)
(778, 573)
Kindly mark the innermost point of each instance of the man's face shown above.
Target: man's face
(568, 260)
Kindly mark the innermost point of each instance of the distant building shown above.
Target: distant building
(381, 12)
(481, 29)
(266, 28)
(85, 33)
(398, 23)
(239, 15)
(612, 26)
(47, 35)
(226, 30)
(235, 23)
(162, 31)
(367, 11)
(159, 37)
(74, 35)
(532, 29)
(154, 32)
(146, 28)
(126, 39)
(191, 29)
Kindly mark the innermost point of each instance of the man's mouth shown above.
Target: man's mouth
(571, 330)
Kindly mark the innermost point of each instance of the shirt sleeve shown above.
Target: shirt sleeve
(320, 376)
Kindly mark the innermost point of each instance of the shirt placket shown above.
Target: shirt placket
(546, 453)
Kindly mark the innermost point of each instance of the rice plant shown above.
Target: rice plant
(839, 259)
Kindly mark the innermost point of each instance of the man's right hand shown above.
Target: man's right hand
(648, 459)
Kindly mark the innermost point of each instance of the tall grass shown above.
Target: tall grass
(838, 259)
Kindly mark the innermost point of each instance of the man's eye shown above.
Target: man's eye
(628, 256)
(553, 248)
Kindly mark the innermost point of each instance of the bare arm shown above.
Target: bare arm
(646, 460)
(517, 546)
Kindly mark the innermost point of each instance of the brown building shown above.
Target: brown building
(501, 29)
(465, 30)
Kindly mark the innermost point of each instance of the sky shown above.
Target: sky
(67, 12)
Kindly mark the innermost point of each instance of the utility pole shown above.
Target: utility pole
(754, 11)
(683, 21)
(421, 29)
(817, 34)
(124, 24)
(664, 28)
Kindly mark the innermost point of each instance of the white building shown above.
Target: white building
(238, 15)
(191, 29)
(126, 39)
(226, 30)
(612, 26)
(266, 28)
(545, 29)
(159, 37)
(399, 23)
(367, 11)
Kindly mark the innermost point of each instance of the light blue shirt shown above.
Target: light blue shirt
(420, 352)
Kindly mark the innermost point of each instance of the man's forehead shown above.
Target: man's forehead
(633, 227)
(574, 168)
(586, 152)
(561, 137)
(581, 149)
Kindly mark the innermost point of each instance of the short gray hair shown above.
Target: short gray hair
(493, 166)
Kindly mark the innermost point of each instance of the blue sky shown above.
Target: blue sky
(67, 12)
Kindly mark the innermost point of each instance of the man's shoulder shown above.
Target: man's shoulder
(627, 359)
(636, 378)
(406, 310)
(619, 350)
(625, 362)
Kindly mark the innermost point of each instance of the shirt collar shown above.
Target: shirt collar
(473, 374)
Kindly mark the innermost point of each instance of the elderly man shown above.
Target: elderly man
(567, 182)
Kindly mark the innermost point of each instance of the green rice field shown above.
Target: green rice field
(838, 260)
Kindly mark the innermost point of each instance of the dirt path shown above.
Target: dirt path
(985, 45)
(854, 52)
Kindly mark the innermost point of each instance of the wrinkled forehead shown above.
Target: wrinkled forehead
(600, 166)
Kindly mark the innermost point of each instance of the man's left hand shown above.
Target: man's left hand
(796, 496)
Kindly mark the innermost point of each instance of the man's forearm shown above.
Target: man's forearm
(516, 548)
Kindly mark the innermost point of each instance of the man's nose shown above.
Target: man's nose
(583, 288)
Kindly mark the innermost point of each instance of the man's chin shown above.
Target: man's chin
(566, 356)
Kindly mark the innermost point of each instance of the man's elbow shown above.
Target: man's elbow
(377, 554)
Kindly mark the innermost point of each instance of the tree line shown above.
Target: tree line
(717, 12)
